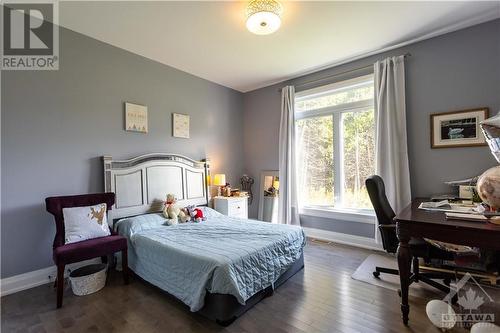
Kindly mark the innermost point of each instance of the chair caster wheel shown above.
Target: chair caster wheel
(376, 274)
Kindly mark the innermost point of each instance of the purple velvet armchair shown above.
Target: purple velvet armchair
(64, 254)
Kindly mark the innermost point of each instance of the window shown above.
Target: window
(335, 144)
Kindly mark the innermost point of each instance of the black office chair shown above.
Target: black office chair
(419, 248)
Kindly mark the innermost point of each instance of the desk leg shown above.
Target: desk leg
(404, 264)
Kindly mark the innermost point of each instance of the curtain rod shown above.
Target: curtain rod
(339, 74)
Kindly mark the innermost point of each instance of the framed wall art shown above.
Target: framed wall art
(180, 125)
(458, 128)
(136, 118)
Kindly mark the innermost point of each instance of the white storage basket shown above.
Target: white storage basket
(88, 279)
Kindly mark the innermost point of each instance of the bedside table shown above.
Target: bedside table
(232, 206)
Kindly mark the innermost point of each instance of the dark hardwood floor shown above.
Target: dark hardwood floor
(321, 298)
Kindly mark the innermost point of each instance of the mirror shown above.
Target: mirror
(268, 196)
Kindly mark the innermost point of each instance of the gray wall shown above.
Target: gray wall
(460, 70)
(57, 124)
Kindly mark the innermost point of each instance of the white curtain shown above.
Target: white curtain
(288, 212)
(391, 142)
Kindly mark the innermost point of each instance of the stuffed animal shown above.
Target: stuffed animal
(172, 211)
(186, 213)
(196, 214)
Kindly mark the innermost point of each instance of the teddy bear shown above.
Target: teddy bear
(173, 212)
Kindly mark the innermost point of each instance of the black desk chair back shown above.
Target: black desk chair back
(385, 213)
(418, 247)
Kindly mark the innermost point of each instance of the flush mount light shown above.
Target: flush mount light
(263, 16)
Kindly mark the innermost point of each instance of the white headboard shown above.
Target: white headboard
(142, 183)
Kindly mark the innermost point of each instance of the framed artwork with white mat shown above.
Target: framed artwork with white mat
(458, 128)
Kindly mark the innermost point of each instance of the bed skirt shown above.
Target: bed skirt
(224, 309)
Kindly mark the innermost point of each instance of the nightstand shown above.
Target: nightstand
(232, 206)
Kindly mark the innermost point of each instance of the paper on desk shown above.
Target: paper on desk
(445, 206)
(433, 204)
(471, 217)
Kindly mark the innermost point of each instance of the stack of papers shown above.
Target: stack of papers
(445, 206)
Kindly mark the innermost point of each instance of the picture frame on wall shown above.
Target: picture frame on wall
(136, 118)
(458, 128)
(180, 125)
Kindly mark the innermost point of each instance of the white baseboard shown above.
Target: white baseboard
(337, 237)
(36, 278)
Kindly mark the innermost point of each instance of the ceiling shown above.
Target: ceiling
(209, 39)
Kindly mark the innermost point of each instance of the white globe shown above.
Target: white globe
(441, 314)
(488, 187)
(484, 328)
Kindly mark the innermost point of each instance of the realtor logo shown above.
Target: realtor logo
(471, 296)
(30, 36)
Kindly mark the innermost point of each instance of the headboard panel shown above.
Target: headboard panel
(141, 183)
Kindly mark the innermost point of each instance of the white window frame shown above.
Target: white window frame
(327, 211)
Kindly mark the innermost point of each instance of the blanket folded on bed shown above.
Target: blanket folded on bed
(222, 255)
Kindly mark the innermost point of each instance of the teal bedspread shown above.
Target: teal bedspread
(222, 255)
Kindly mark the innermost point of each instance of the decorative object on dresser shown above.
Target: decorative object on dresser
(64, 254)
(246, 185)
(232, 206)
(220, 182)
(136, 118)
(458, 128)
(180, 125)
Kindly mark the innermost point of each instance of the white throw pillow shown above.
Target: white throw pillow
(81, 223)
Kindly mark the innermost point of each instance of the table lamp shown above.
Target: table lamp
(219, 181)
(276, 183)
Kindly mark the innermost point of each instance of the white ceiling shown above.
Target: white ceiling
(209, 39)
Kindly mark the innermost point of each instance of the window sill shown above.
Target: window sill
(353, 215)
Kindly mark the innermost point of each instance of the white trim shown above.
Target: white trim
(338, 156)
(481, 18)
(337, 237)
(29, 280)
(358, 106)
(339, 214)
(336, 87)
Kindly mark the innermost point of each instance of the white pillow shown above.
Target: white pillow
(81, 223)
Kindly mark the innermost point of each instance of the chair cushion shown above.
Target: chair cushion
(420, 248)
(88, 249)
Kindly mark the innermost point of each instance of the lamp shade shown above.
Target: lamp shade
(219, 179)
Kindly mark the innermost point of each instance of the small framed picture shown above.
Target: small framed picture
(180, 125)
(136, 118)
(458, 128)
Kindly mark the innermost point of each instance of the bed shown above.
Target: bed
(220, 267)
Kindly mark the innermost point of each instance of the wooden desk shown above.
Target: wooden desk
(414, 222)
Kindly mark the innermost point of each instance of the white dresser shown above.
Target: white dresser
(232, 206)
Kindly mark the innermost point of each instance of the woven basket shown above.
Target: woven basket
(88, 279)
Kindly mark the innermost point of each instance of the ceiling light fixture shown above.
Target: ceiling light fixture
(263, 16)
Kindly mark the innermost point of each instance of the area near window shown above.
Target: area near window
(335, 143)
